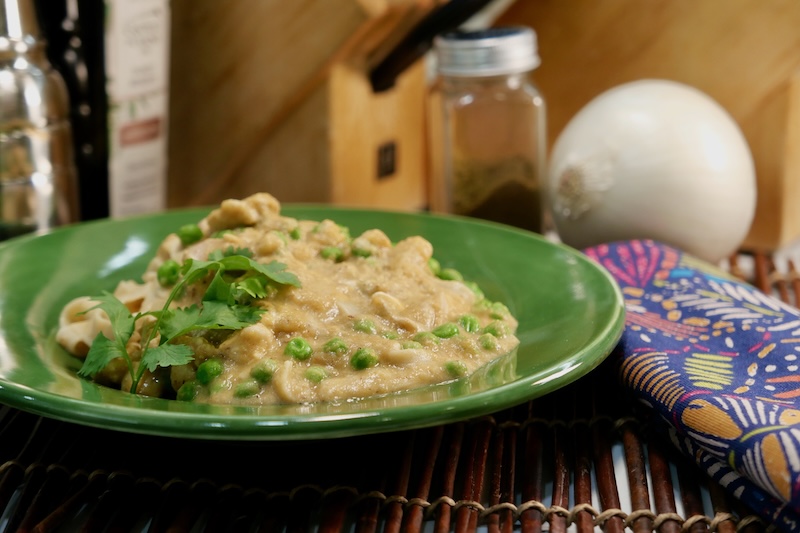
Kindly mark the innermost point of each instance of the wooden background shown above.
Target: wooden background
(743, 53)
(272, 95)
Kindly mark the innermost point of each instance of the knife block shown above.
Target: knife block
(275, 96)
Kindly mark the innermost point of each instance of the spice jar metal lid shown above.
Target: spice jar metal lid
(489, 52)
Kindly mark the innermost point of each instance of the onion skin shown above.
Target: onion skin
(653, 159)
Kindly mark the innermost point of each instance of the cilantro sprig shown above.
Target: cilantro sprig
(237, 281)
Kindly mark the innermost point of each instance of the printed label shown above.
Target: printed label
(137, 73)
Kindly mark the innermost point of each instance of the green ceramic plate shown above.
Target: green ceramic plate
(570, 313)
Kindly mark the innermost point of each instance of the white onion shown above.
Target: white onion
(653, 159)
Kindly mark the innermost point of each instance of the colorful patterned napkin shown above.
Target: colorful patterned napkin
(718, 362)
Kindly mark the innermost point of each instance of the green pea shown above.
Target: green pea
(219, 385)
(450, 274)
(298, 348)
(335, 345)
(334, 253)
(247, 388)
(365, 325)
(411, 345)
(345, 231)
(315, 374)
(446, 330)
(499, 311)
(426, 337)
(363, 358)
(470, 323)
(483, 304)
(497, 328)
(360, 252)
(456, 369)
(189, 234)
(476, 290)
(168, 273)
(208, 370)
(391, 335)
(435, 266)
(264, 370)
(188, 391)
(294, 233)
(487, 341)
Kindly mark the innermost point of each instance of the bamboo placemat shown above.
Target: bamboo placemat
(581, 459)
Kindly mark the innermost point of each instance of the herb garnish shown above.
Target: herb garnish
(227, 302)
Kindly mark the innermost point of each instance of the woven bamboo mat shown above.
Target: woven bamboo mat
(581, 459)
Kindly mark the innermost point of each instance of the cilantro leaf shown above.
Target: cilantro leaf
(218, 255)
(167, 355)
(175, 322)
(218, 315)
(102, 352)
(103, 349)
(218, 289)
(255, 287)
(241, 291)
(194, 270)
(237, 262)
(118, 314)
(225, 307)
(276, 272)
(213, 315)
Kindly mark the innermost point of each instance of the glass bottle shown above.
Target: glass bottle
(37, 173)
(114, 57)
(492, 127)
(75, 35)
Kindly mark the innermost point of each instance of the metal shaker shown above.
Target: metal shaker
(38, 187)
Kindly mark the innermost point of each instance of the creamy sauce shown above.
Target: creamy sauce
(374, 315)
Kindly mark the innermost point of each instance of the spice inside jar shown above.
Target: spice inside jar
(492, 127)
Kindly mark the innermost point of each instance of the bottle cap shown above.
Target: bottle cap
(489, 52)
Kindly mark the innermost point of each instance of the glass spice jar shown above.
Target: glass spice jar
(492, 127)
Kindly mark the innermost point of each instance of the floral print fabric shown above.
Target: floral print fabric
(718, 361)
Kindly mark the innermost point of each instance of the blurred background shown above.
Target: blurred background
(187, 102)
